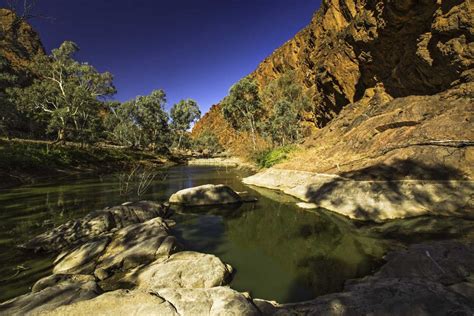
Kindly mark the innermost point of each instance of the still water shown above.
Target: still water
(279, 252)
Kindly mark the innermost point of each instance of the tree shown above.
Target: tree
(287, 101)
(183, 114)
(153, 119)
(8, 113)
(66, 93)
(242, 108)
(141, 122)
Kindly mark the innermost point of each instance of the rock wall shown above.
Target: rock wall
(411, 47)
(19, 43)
(354, 48)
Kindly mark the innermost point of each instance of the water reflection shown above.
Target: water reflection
(279, 252)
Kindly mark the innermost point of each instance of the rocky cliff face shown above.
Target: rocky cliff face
(410, 47)
(389, 80)
(19, 43)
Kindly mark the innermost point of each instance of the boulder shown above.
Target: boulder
(95, 224)
(208, 194)
(214, 301)
(120, 302)
(445, 262)
(186, 269)
(135, 245)
(50, 293)
(82, 259)
(129, 247)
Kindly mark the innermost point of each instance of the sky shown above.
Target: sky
(190, 48)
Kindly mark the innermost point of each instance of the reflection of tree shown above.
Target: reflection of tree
(322, 249)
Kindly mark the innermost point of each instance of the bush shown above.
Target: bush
(270, 157)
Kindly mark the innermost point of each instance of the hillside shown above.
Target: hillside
(389, 81)
(19, 42)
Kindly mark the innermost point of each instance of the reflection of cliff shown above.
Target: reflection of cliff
(324, 249)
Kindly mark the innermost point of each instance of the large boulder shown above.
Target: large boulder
(193, 302)
(136, 245)
(95, 224)
(82, 259)
(208, 194)
(120, 302)
(214, 301)
(129, 247)
(52, 292)
(186, 269)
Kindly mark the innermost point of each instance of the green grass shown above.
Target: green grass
(270, 157)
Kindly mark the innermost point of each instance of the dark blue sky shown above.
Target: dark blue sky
(190, 48)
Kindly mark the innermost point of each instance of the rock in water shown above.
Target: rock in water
(119, 252)
(208, 194)
(95, 224)
(52, 292)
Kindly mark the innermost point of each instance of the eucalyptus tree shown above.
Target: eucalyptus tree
(183, 114)
(286, 101)
(242, 108)
(153, 119)
(141, 122)
(66, 93)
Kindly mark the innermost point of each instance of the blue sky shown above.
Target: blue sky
(190, 48)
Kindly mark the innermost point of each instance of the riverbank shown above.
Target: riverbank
(375, 200)
(29, 161)
(229, 162)
(102, 270)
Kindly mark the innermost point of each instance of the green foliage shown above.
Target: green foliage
(242, 108)
(42, 157)
(287, 101)
(8, 113)
(141, 122)
(207, 141)
(66, 93)
(183, 114)
(270, 157)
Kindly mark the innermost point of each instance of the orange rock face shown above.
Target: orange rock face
(396, 56)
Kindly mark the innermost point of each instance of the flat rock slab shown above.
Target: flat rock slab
(208, 194)
(186, 269)
(95, 224)
(372, 200)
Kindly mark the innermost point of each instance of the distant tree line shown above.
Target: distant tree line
(63, 99)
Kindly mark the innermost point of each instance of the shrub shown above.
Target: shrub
(270, 157)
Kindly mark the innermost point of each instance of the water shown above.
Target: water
(279, 251)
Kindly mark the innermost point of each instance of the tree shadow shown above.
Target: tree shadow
(400, 189)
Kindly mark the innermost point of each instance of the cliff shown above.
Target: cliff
(19, 43)
(389, 81)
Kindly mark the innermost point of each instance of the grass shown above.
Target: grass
(270, 157)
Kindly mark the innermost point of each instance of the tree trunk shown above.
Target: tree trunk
(61, 136)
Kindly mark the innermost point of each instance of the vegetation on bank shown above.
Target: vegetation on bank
(270, 157)
(25, 160)
(273, 117)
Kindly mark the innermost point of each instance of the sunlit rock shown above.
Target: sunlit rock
(208, 194)
(186, 269)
